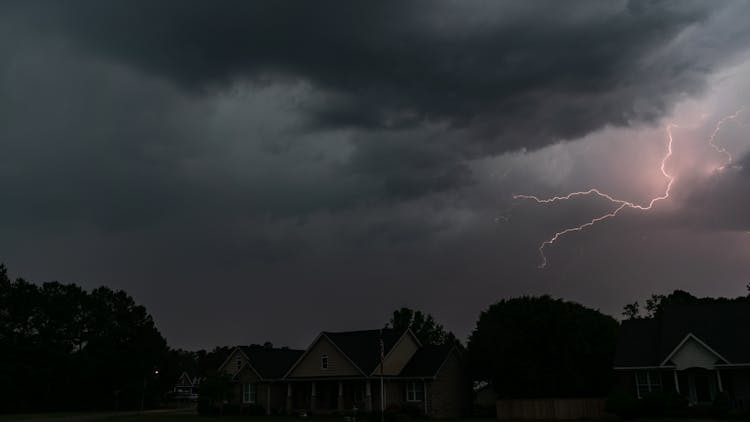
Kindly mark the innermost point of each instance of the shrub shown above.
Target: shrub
(231, 409)
(721, 405)
(206, 407)
(623, 404)
(254, 410)
(413, 410)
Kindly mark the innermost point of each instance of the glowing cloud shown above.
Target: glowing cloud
(623, 204)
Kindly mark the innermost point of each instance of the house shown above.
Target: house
(257, 374)
(697, 350)
(186, 388)
(351, 371)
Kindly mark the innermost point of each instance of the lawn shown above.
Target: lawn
(182, 417)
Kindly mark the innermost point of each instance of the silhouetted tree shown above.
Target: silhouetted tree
(656, 303)
(424, 327)
(631, 311)
(543, 347)
(64, 348)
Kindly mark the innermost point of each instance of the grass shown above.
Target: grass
(183, 417)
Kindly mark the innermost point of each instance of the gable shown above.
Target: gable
(338, 363)
(185, 380)
(234, 362)
(399, 355)
(691, 353)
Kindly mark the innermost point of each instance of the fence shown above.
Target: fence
(589, 408)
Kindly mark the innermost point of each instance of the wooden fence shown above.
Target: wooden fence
(551, 409)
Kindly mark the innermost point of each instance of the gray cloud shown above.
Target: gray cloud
(263, 148)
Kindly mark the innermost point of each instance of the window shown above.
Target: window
(415, 391)
(647, 382)
(248, 393)
(239, 364)
(324, 361)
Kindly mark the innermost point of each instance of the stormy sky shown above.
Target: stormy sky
(263, 170)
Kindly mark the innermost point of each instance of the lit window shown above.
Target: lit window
(324, 361)
(647, 382)
(415, 391)
(248, 393)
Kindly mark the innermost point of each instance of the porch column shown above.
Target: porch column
(268, 399)
(718, 381)
(425, 398)
(676, 382)
(368, 396)
(289, 398)
(312, 397)
(341, 396)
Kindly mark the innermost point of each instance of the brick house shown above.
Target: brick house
(342, 372)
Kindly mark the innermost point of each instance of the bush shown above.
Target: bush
(231, 409)
(413, 410)
(206, 407)
(255, 410)
(651, 405)
(721, 405)
(623, 404)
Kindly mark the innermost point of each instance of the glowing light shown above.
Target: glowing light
(623, 204)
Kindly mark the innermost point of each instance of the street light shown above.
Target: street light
(143, 391)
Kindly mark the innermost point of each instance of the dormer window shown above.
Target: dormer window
(239, 364)
(324, 361)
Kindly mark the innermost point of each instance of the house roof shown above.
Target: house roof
(427, 361)
(271, 363)
(721, 326)
(363, 347)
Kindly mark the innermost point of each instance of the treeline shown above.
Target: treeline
(63, 348)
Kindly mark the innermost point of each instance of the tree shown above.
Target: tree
(657, 302)
(543, 347)
(64, 348)
(631, 311)
(424, 327)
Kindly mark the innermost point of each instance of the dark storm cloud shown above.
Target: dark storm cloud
(497, 67)
(493, 76)
(263, 148)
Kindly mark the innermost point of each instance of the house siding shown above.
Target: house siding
(338, 364)
(230, 365)
(448, 395)
(692, 354)
(399, 355)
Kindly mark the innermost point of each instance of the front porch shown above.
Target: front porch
(329, 396)
(700, 386)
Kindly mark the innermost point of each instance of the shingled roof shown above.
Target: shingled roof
(271, 363)
(721, 326)
(363, 347)
(426, 361)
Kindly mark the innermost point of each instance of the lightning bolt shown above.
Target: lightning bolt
(712, 140)
(622, 204)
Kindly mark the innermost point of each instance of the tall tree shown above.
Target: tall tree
(64, 348)
(424, 326)
(543, 347)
